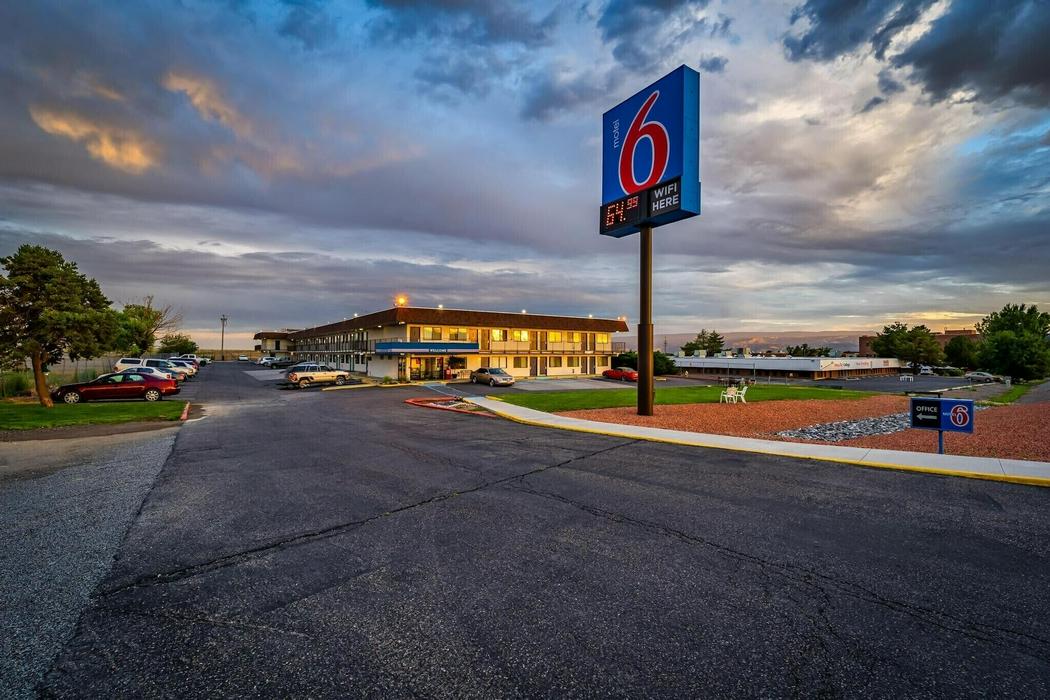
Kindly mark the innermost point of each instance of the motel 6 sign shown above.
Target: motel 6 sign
(651, 156)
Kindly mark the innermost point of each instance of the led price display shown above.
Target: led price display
(629, 211)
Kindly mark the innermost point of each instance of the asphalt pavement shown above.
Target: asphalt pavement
(333, 544)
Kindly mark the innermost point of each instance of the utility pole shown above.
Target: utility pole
(222, 337)
(645, 326)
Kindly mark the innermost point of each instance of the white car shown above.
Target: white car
(199, 358)
(242, 358)
(179, 373)
(186, 365)
(152, 371)
(981, 377)
(265, 360)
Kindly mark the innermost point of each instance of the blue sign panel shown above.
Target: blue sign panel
(651, 156)
(400, 347)
(953, 415)
(957, 415)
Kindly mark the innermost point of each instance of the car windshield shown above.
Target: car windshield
(496, 370)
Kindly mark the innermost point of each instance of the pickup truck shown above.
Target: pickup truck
(199, 358)
(309, 374)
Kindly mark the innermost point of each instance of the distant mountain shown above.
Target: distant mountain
(759, 340)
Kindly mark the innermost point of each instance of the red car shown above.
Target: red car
(624, 374)
(117, 386)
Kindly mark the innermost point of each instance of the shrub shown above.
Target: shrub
(388, 380)
(14, 384)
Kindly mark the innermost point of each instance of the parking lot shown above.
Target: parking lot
(344, 543)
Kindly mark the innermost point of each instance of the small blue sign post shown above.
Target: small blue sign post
(651, 177)
(952, 415)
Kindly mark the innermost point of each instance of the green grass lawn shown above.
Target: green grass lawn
(1015, 392)
(26, 416)
(552, 401)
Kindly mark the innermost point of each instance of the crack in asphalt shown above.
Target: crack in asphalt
(1026, 643)
(331, 531)
(200, 618)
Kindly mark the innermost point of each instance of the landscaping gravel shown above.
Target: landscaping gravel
(850, 429)
(59, 533)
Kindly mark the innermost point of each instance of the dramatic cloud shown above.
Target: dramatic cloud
(989, 50)
(117, 147)
(861, 161)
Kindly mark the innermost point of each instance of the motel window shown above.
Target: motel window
(457, 333)
(498, 334)
(575, 336)
(554, 361)
(276, 345)
(554, 336)
(572, 362)
(457, 363)
(498, 362)
(472, 335)
(521, 362)
(601, 338)
(519, 336)
(431, 333)
(484, 361)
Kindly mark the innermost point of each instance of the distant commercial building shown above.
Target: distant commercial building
(789, 367)
(864, 342)
(424, 343)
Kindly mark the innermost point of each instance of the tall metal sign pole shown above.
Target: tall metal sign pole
(651, 177)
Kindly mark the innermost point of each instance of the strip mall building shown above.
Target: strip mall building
(424, 343)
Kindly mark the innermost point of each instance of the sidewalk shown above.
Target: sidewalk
(1010, 470)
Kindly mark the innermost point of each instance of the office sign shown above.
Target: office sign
(950, 415)
(651, 156)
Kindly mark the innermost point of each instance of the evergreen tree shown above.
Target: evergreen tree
(1015, 342)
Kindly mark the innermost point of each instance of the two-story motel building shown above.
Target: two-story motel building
(409, 343)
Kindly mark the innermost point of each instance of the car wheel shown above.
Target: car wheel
(339, 381)
(71, 397)
(473, 379)
(304, 383)
(492, 382)
(151, 395)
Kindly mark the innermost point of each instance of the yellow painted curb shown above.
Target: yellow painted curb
(1026, 480)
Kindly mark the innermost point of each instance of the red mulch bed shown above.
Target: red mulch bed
(1020, 431)
(758, 419)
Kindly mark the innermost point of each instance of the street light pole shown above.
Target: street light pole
(222, 337)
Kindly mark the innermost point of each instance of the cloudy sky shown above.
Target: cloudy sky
(293, 162)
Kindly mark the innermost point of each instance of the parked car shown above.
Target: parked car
(981, 377)
(624, 374)
(187, 365)
(312, 373)
(493, 376)
(282, 362)
(242, 358)
(152, 371)
(265, 360)
(168, 366)
(925, 369)
(200, 359)
(121, 385)
(128, 363)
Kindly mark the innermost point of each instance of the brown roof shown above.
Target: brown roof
(460, 317)
(273, 335)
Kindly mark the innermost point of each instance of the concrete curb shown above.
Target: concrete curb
(989, 468)
(185, 412)
(347, 386)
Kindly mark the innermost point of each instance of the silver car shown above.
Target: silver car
(493, 376)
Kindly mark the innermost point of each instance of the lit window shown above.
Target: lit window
(601, 338)
(572, 362)
(554, 336)
(431, 333)
(575, 336)
(554, 361)
(498, 362)
(457, 333)
(521, 362)
(520, 336)
(498, 334)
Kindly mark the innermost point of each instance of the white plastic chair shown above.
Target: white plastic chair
(728, 395)
(741, 396)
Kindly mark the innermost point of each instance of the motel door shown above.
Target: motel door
(533, 366)
(543, 366)
(590, 365)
